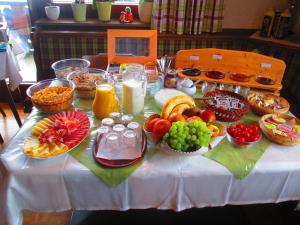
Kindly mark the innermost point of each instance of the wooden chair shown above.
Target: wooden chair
(97, 61)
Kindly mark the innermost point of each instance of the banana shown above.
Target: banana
(174, 101)
(180, 108)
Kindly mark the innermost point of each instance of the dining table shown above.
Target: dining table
(161, 179)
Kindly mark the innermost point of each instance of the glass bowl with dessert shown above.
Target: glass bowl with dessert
(85, 86)
(52, 95)
(63, 68)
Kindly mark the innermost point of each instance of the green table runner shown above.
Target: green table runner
(239, 161)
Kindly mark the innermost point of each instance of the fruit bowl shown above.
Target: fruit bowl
(246, 144)
(167, 149)
(85, 86)
(242, 135)
(52, 95)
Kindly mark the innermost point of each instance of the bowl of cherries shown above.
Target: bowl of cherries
(243, 135)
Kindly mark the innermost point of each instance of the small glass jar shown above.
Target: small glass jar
(127, 118)
(107, 122)
(116, 116)
(135, 126)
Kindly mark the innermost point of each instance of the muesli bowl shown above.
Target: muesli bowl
(52, 95)
(85, 86)
(63, 68)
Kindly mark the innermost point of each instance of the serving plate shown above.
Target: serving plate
(121, 162)
(69, 142)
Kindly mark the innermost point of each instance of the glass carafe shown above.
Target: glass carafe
(134, 91)
(106, 100)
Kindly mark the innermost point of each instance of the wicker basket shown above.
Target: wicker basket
(259, 110)
(227, 115)
(279, 139)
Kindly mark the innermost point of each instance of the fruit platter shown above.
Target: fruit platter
(267, 103)
(56, 134)
(281, 128)
(182, 127)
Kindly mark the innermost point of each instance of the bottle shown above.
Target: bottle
(276, 21)
(284, 24)
(267, 23)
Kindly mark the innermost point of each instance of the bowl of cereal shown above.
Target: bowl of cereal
(85, 86)
(64, 67)
(52, 95)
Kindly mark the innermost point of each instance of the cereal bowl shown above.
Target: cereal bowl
(85, 86)
(52, 95)
(64, 67)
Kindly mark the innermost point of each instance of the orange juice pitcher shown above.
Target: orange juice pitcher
(106, 100)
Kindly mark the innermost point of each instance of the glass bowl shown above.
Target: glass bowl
(246, 144)
(52, 95)
(85, 86)
(64, 67)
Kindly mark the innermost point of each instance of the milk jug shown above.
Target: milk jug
(134, 91)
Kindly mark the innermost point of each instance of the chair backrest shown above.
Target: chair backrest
(97, 61)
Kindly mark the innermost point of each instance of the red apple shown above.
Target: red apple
(208, 116)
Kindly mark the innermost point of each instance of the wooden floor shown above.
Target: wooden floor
(8, 129)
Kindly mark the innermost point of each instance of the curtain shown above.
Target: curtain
(187, 16)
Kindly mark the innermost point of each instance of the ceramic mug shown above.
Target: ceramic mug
(52, 12)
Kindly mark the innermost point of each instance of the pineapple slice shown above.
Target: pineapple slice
(41, 126)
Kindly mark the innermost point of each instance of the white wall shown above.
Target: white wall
(248, 14)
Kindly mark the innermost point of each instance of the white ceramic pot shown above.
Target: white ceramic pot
(52, 12)
(145, 12)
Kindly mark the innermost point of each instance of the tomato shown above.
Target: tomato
(240, 140)
(254, 137)
(254, 128)
(240, 125)
(161, 127)
(149, 124)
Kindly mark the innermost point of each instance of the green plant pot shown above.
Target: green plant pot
(79, 12)
(104, 10)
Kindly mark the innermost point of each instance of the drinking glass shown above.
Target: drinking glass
(135, 126)
(130, 140)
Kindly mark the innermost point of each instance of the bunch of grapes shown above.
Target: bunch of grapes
(188, 137)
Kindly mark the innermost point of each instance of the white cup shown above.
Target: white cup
(52, 12)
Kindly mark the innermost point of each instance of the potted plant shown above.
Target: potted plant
(145, 10)
(79, 10)
(103, 9)
(52, 12)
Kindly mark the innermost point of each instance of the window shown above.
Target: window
(90, 1)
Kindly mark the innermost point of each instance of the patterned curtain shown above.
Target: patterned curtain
(187, 16)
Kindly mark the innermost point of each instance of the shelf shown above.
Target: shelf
(287, 43)
(71, 24)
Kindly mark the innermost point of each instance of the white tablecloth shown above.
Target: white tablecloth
(164, 182)
(9, 68)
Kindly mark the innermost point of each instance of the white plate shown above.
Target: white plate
(163, 95)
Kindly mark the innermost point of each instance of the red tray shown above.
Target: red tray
(119, 163)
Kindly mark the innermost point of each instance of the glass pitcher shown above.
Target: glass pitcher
(106, 100)
(134, 92)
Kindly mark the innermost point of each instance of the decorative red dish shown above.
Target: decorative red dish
(228, 106)
(215, 74)
(122, 162)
